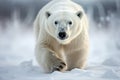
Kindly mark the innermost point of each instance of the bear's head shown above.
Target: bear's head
(65, 26)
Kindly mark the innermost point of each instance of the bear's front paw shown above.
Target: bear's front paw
(59, 65)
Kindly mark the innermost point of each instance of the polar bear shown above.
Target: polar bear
(62, 41)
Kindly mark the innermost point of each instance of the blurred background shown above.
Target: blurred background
(17, 39)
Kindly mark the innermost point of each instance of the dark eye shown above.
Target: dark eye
(56, 22)
(70, 22)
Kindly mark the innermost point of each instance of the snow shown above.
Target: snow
(17, 54)
(30, 72)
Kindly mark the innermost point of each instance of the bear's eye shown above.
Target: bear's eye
(70, 22)
(56, 22)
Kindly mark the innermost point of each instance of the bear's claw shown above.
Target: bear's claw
(59, 67)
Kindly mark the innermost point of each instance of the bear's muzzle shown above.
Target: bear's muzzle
(62, 35)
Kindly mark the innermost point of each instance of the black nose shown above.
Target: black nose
(62, 35)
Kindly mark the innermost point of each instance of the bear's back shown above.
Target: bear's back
(61, 5)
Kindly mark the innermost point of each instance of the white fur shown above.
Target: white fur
(51, 51)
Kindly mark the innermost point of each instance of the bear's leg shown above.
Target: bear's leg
(77, 59)
(49, 61)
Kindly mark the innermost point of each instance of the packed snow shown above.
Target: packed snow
(17, 60)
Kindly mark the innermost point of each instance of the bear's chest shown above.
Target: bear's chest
(58, 48)
(66, 49)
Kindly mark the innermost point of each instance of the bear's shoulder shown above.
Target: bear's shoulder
(56, 5)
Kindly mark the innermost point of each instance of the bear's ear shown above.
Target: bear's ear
(79, 14)
(48, 14)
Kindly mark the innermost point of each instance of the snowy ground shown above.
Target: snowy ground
(17, 54)
(30, 72)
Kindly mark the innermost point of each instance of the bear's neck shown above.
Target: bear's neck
(75, 44)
